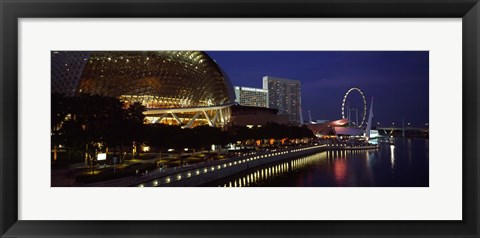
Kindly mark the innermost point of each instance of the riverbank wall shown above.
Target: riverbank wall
(208, 172)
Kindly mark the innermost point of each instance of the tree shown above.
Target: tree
(207, 136)
(134, 127)
(93, 123)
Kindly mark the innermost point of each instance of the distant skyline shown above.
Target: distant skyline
(397, 80)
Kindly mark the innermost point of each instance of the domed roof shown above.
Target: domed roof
(157, 79)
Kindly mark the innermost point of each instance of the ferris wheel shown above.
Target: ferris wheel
(364, 105)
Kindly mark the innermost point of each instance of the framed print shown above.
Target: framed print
(279, 118)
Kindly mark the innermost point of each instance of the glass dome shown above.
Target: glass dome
(157, 79)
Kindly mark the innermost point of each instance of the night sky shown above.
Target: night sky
(397, 80)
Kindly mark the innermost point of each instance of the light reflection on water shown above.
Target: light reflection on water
(392, 156)
(274, 171)
(403, 164)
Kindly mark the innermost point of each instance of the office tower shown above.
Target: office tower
(284, 95)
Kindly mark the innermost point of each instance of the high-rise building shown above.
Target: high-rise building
(255, 97)
(284, 95)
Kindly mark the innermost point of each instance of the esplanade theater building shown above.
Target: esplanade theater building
(184, 88)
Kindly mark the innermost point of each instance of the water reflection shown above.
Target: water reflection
(340, 170)
(257, 176)
(392, 156)
(387, 166)
(409, 151)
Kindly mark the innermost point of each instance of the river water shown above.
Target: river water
(402, 164)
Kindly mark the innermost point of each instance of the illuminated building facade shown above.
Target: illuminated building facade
(255, 97)
(66, 71)
(284, 95)
(184, 88)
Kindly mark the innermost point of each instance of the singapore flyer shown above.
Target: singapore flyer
(347, 109)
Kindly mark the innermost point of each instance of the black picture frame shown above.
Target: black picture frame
(11, 11)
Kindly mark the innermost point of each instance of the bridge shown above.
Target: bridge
(398, 131)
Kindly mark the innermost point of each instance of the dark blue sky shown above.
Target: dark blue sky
(398, 80)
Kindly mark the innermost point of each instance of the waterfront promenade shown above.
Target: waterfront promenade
(205, 172)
